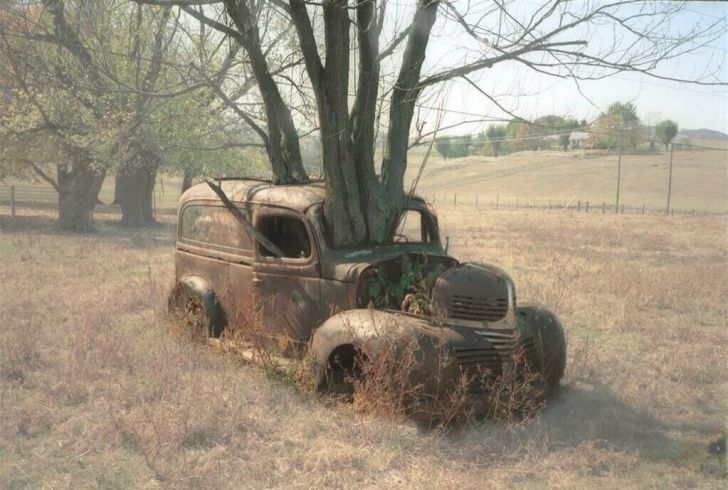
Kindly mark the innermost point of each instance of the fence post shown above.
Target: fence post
(454, 199)
(12, 204)
(587, 206)
(604, 207)
(549, 203)
(578, 207)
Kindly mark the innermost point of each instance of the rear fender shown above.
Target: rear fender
(201, 288)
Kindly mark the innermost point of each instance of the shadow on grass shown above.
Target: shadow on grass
(106, 227)
(593, 412)
(581, 417)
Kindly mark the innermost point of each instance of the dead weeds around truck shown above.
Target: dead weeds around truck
(412, 377)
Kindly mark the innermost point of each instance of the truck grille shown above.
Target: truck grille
(477, 308)
(529, 351)
(480, 361)
(487, 361)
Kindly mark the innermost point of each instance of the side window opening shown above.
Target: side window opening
(289, 233)
(213, 225)
(412, 228)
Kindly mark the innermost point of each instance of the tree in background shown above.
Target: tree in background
(443, 146)
(627, 111)
(564, 139)
(619, 122)
(454, 146)
(460, 146)
(626, 114)
(666, 130)
(94, 88)
(496, 135)
(523, 136)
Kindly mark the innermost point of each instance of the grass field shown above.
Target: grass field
(95, 393)
(700, 178)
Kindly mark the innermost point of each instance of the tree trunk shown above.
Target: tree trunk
(118, 189)
(79, 188)
(187, 180)
(282, 143)
(137, 200)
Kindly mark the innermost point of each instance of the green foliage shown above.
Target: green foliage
(496, 133)
(525, 136)
(454, 146)
(627, 111)
(414, 282)
(666, 130)
(443, 146)
(620, 121)
(564, 140)
(460, 146)
(55, 108)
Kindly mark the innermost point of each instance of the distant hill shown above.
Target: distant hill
(706, 134)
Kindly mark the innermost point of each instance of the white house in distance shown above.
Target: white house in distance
(579, 139)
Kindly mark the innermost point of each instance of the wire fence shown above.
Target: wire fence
(499, 202)
(27, 194)
(18, 196)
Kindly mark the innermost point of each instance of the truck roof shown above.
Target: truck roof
(298, 197)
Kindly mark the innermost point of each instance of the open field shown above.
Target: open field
(700, 178)
(95, 393)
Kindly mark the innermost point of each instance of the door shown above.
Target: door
(213, 245)
(287, 289)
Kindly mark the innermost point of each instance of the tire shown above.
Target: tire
(550, 340)
(194, 309)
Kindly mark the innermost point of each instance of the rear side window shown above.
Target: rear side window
(413, 227)
(215, 226)
(289, 233)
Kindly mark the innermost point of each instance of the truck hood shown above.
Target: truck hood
(347, 265)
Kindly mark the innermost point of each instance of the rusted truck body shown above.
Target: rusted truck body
(315, 300)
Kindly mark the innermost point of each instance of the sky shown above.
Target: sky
(692, 106)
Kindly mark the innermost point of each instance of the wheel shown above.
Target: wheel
(196, 313)
(344, 369)
(548, 342)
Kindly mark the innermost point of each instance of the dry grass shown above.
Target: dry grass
(700, 179)
(94, 392)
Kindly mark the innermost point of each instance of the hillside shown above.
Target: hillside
(707, 134)
(700, 178)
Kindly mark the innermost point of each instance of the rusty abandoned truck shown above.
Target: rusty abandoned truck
(329, 302)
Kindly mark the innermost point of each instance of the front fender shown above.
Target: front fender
(544, 327)
(371, 331)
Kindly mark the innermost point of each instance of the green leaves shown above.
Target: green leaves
(414, 281)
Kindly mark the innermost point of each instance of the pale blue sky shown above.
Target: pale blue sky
(692, 106)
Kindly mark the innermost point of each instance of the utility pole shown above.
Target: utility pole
(669, 183)
(619, 164)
